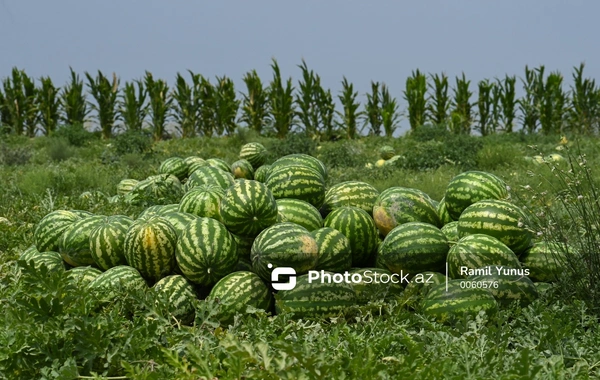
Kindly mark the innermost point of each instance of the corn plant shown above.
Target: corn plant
(186, 104)
(530, 104)
(416, 96)
(73, 102)
(307, 100)
(255, 111)
(4, 115)
(496, 112)
(30, 106)
(105, 93)
(552, 104)
(439, 101)
(326, 108)
(462, 108)
(159, 104)
(281, 103)
(226, 106)
(48, 105)
(484, 107)
(584, 109)
(508, 102)
(373, 110)
(389, 111)
(351, 114)
(15, 101)
(132, 105)
(206, 99)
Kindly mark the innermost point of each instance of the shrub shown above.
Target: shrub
(75, 134)
(343, 154)
(59, 149)
(132, 141)
(293, 143)
(14, 156)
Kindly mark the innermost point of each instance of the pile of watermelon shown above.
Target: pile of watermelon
(234, 224)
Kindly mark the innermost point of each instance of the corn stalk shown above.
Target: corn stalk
(462, 111)
(281, 103)
(373, 110)
(226, 106)
(415, 94)
(530, 104)
(106, 95)
(255, 112)
(326, 108)
(307, 99)
(17, 106)
(206, 99)
(350, 106)
(186, 105)
(389, 111)
(4, 115)
(159, 105)
(72, 99)
(552, 105)
(508, 102)
(484, 106)
(439, 101)
(132, 106)
(584, 110)
(48, 105)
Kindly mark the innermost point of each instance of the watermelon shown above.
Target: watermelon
(74, 245)
(219, 164)
(316, 299)
(107, 241)
(470, 187)
(544, 260)
(375, 284)
(150, 247)
(261, 173)
(255, 153)
(178, 295)
(335, 254)
(421, 283)
(301, 159)
(244, 246)
(450, 230)
(50, 228)
(206, 251)
(194, 163)
(158, 210)
(443, 213)
(116, 283)
(284, 245)
(50, 259)
(298, 182)
(247, 208)
(300, 212)
(507, 285)
(237, 291)
(242, 169)
(414, 247)
(358, 226)
(398, 205)
(156, 189)
(82, 276)
(500, 219)
(386, 152)
(476, 251)
(175, 166)
(208, 175)
(457, 301)
(29, 253)
(350, 193)
(203, 201)
(126, 185)
(179, 220)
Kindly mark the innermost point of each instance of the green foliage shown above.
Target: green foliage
(415, 95)
(19, 103)
(462, 108)
(226, 106)
(439, 101)
(508, 101)
(48, 105)
(206, 99)
(389, 112)
(343, 154)
(14, 156)
(372, 110)
(584, 107)
(105, 93)
(255, 103)
(186, 105)
(75, 135)
(132, 141)
(59, 149)
(73, 101)
(307, 99)
(132, 105)
(350, 114)
(159, 106)
(294, 143)
(435, 148)
(485, 104)
(281, 103)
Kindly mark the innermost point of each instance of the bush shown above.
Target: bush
(293, 143)
(456, 150)
(430, 132)
(75, 135)
(58, 149)
(132, 142)
(343, 154)
(14, 156)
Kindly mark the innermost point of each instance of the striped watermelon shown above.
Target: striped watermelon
(82, 213)
(300, 212)
(298, 182)
(194, 163)
(50, 228)
(156, 189)
(413, 248)
(499, 219)
(471, 187)
(178, 295)
(261, 173)
(126, 185)
(507, 285)
(179, 220)
(150, 247)
(255, 153)
(244, 246)
(350, 193)
(206, 252)
(242, 169)
(247, 208)
(203, 201)
(74, 244)
(219, 164)
(301, 159)
(398, 205)
(476, 251)
(421, 283)
(545, 261)
(29, 253)
(358, 226)
(237, 291)
(443, 213)
(457, 301)
(315, 300)
(208, 175)
(175, 166)
(386, 152)
(284, 245)
(375, 284)
(117, 282)
(50, 259)
(82, 276)
(451, 232)
(107, 241)
(335, 254)
(158, 210)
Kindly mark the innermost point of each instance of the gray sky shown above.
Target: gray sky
(363, 40)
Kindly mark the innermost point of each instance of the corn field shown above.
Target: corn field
(195, 105)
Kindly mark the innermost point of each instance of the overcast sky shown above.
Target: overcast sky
(363, 40)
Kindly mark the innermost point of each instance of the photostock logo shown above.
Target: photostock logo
(283, 271)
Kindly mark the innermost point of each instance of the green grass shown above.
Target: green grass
(51, 330)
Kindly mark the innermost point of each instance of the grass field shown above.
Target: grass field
(51, 330)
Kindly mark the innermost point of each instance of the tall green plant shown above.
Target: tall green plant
(326, 110)
(159, 105)
(530, 104)
(30, 105)
(439, 101)
(415, 94)
(186, 105)
(48, 105)
(508, 102)
(373, 110)
(389, 111)
(132, 105)
(226, 106)
(584, 109)
(106, 95)
(462, 108)
(351, 114)
(307, 99)
(281, 102)
(206, 104)
(553, 103)
(255, 111)
(73, 101)
(4, 115)
(15, 101)
(484, 107)
(496, 112)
